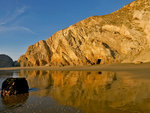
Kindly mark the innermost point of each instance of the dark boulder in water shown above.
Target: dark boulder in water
(5, 61)
(13, 86)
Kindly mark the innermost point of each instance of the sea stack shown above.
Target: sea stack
(120, 37)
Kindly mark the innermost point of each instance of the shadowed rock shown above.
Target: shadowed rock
(13, 86)
(5, 61)
(16, 64)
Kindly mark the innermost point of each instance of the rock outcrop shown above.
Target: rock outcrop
(120, 37)
(5, 61)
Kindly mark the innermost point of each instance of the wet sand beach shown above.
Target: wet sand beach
(104, 67)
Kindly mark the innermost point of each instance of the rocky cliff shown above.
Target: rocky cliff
(5, 61)
(120, 37)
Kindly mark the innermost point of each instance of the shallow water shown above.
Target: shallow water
(80, 92)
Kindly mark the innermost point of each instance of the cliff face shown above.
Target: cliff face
(120, 37)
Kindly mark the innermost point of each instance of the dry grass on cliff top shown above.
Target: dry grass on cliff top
(104, 67)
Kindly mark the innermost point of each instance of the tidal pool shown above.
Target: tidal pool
(79, 92)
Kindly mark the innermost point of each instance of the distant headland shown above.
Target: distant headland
(6, 61)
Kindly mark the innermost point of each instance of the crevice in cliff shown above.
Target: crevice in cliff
(112, 52)
(37, 63)
(50, 53)
(88, 61)
(98, 61)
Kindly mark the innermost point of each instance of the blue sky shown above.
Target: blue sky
(25, 22)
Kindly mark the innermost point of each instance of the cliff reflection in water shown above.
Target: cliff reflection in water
(93, 92)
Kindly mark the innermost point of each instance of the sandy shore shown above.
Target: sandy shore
(106, 67)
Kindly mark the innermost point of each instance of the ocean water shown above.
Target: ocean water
(79, 92)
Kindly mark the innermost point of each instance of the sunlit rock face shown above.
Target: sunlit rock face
(93, 92)
(5, 61)
(120, 37)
